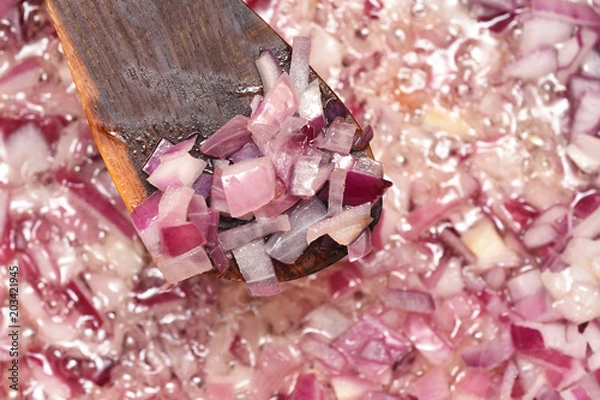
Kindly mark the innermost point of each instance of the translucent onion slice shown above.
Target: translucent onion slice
(299, 68)
(344, 227)
(288, 246)
(269, 70)
(244, 234)
(257, 268)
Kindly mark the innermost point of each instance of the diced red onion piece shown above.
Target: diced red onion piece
(573, 52)
(409, 300)
(279, 103)
(176, 269)
(299, 68)
(584, 151)
(304, 174)
(244, 234)
(228, 139)
(219, 391)
(331, 359)
(541, 32)
(173, 205)
(336, 192)
(431, 344)
(257, 268)
(589, 227)
(269, 70)
(219, 258)
(489, 354)
(526, 339)
(203, 184)
(327, 321)
(276, 206)
(587, 114)
(591, 64)
(534, 65)
(181, 238)
(586, 203)
(248, 185)
(338, 137)
(344, 227)
(568, 11)
(579, 85)
(538, 236)
(249, 150)
(176, 171)
(144, 218)
(288, 246)
(524, 285)
(311, 105)
(363, 188)
(361, 246)
(368, 166)
(453, 241)
(433, 385)
(218, 200)
(371, 347)
(154, 160)
(307, 388)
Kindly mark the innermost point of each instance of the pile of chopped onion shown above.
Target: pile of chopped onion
(482, 282)
(270, 170)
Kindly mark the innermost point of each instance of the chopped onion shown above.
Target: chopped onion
(344, 227)
(257, 268)
(299, 68)
(248, 185)
(534, 65)
(269, 70)
(244, 234)
(228, 139)
(288, 246)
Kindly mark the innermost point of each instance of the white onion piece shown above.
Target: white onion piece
(288, 246)
(584, 151)
(181, 170)
(257, 268)
(534, 64)
(344, 227)
(248, 185)
(299, 68)
(269, 70)
(244, 234)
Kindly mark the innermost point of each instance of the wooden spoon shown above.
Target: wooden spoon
(153, 69)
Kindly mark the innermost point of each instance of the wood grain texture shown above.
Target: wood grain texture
(152, 69)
